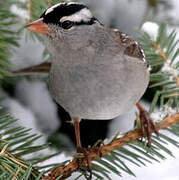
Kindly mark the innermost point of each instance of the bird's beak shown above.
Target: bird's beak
(38, 26)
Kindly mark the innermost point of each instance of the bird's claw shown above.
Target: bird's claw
(147, 126)
(85, 152)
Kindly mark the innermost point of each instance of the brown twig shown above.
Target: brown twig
(29, 7)
(165, 58)
(43, 68)
(15, 175)
(66, 170)
(153, 3)
(49, 2)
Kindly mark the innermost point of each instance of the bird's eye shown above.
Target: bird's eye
(67, 24)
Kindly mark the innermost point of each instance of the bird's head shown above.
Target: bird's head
(65, 21)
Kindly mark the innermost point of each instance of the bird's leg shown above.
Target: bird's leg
(80, 149)
(77, 132)
(146, 123)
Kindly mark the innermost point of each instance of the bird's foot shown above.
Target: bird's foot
(147, 125)
(97, 146)
(85, 153)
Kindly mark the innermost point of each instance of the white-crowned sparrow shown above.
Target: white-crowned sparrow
(97, 72)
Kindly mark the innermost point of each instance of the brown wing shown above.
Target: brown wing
(131, 47)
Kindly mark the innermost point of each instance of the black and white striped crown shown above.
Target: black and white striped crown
(72, 11)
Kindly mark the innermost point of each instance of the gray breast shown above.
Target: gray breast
(103, 86)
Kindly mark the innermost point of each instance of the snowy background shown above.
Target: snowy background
(34, 107)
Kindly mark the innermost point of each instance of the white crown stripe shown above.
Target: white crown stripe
(82, 15)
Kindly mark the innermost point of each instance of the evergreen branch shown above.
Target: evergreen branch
(8, 37)
(165, 58)
(162, 52)
(15, 143)
(66, 170)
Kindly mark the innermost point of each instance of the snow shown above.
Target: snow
(23, 114)
(151, 28)
(35, 95)
(173, 15)
(166, 67)
(127, 15)
(57, 159)
(19, 11)
(166, 170)
(159, 114)
(23, 56)
(26, 118)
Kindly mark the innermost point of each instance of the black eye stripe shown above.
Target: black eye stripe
(92, 21)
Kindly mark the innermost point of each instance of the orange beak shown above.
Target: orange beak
(38, 26)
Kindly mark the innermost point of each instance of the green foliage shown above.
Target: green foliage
(16, 142)
(163, 56)
(8, 37)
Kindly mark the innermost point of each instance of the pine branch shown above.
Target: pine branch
(67, 170)
(15, 143)
(165, 58)
(162, 52)
(8, 37)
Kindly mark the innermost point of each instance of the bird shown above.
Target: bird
(96, 72)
